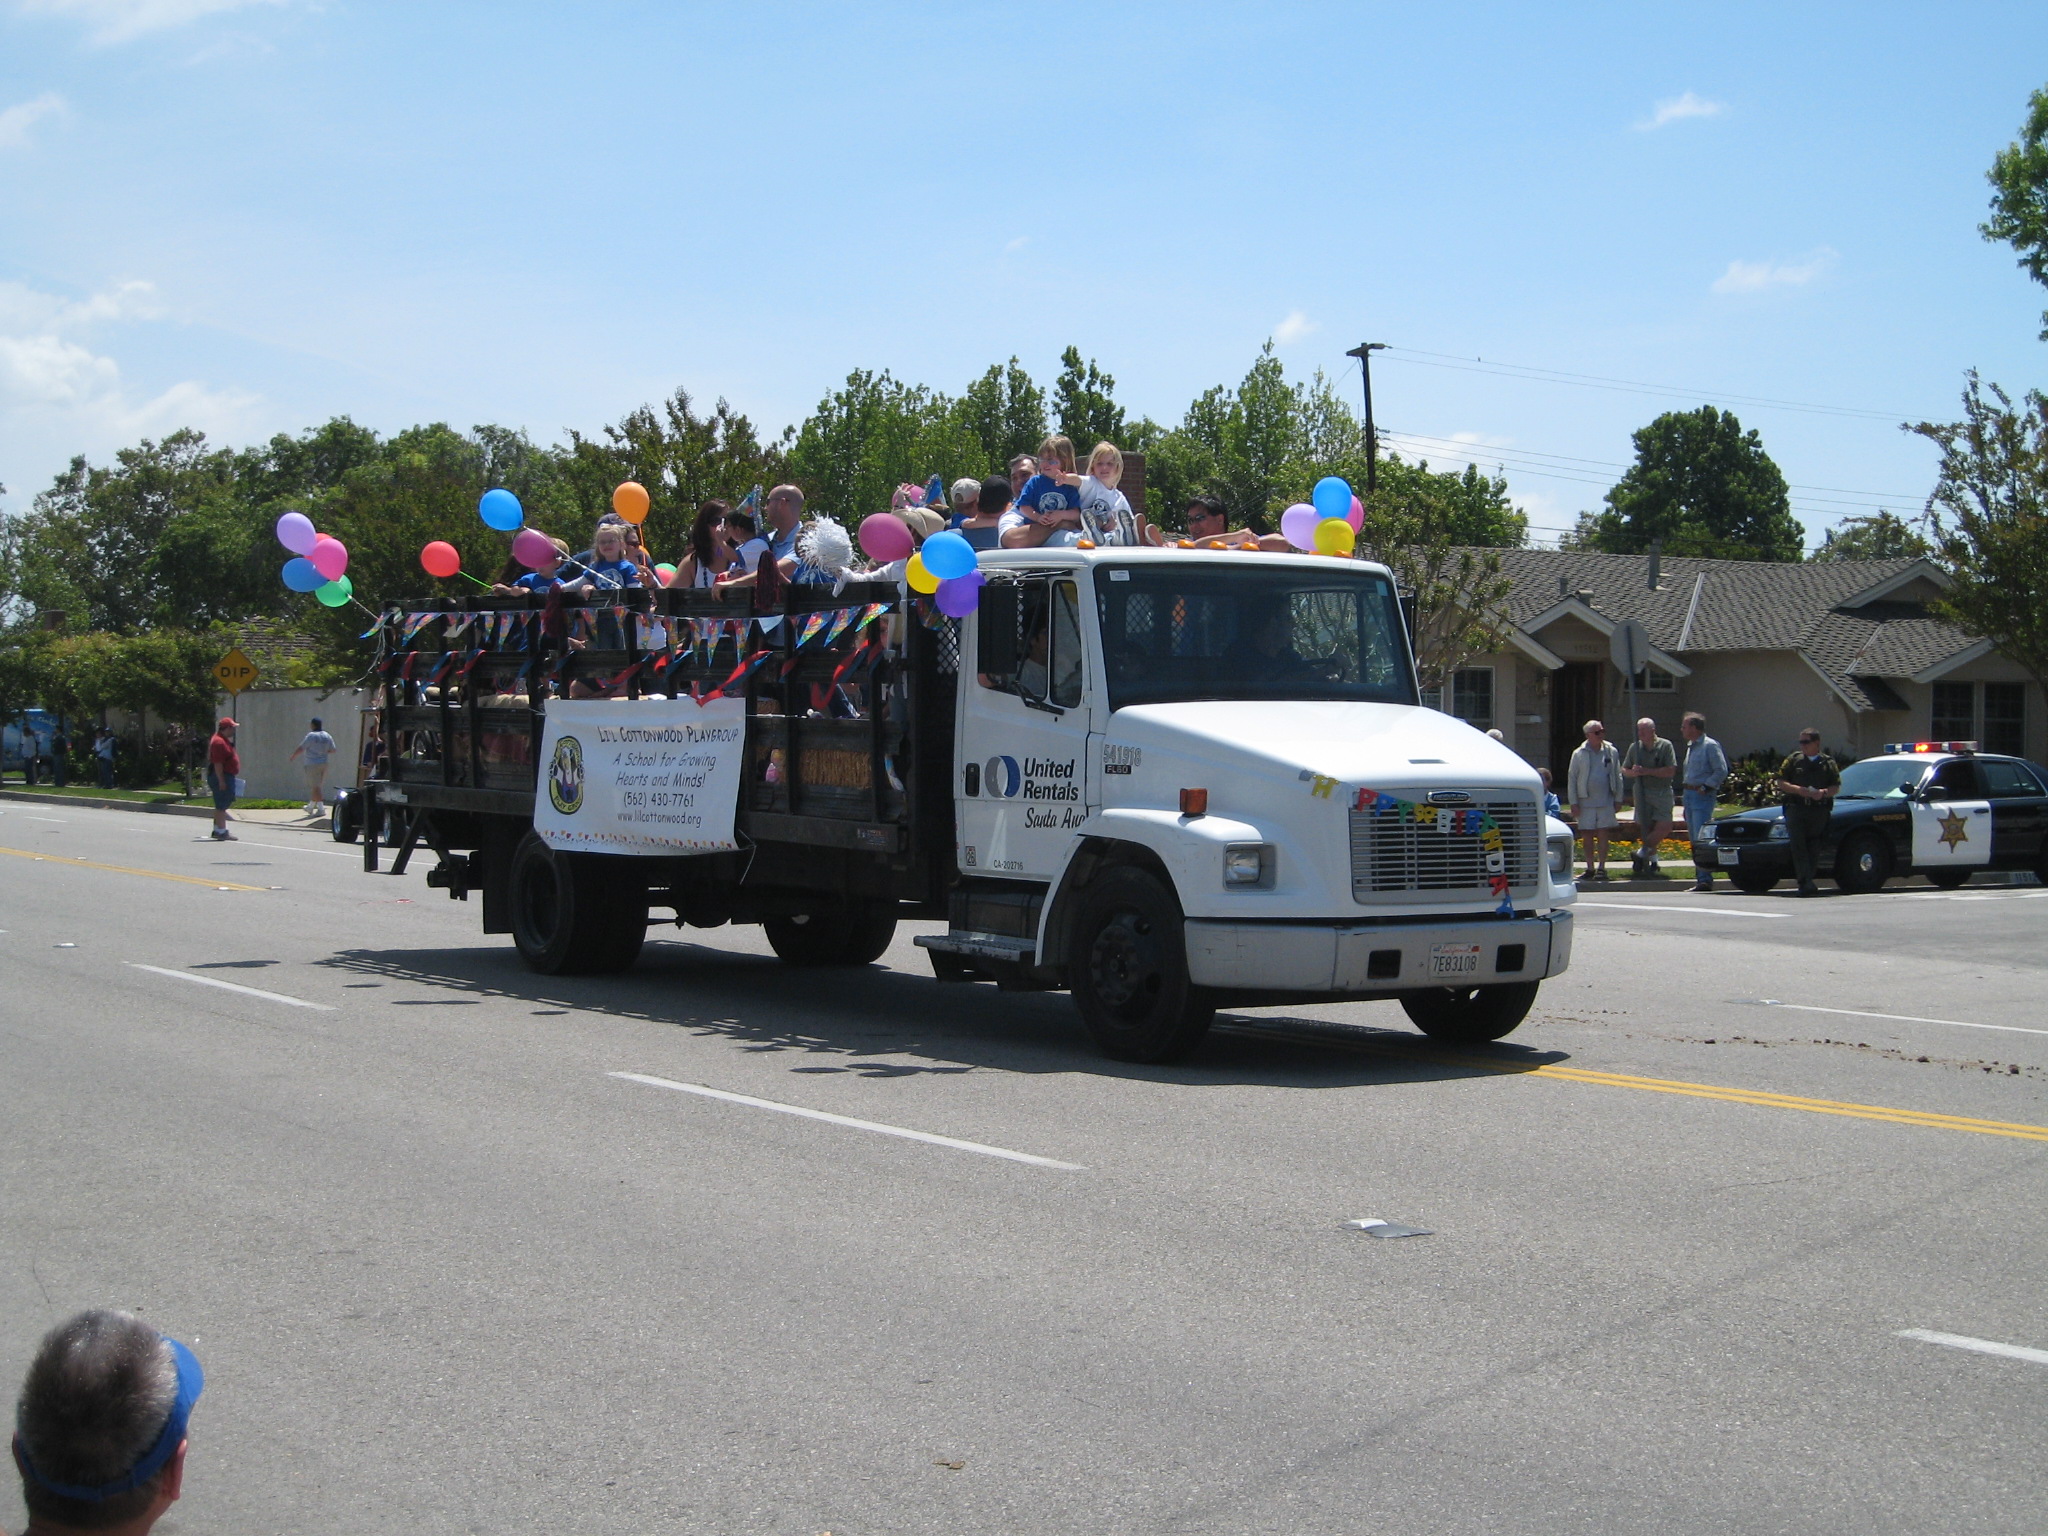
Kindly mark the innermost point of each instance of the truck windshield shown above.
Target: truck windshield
(1181, 632)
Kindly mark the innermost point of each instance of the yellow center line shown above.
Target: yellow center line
(1762, 1098)
(123, 869)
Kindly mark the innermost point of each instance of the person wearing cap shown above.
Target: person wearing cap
(100, 1427)
(983, 524)
(223, 764)
(315, 749)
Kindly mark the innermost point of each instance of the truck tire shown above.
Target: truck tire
(832, 937)
(1470, 1015)
(1755, 882)
(1863, 864)
(347, 819)
(1128, 970)
(571, 914)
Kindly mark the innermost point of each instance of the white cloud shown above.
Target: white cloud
(1017, 244)
(1678, 107)
(116, 21)
(1293, 328)
(1755, 276)
(16, 121)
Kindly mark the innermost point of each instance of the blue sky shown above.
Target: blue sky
(249, 215)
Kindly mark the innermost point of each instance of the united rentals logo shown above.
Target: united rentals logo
(565, 776)
(1002, 777)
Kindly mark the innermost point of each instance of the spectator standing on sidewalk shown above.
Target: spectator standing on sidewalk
(317, 748)
(103, 756)
(1705, 771)
(100, 1427)
(223, 764)
(1592, 782)
(1808, 780)
(60, 751)
(1651, 763)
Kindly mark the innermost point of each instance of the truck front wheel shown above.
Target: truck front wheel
(1128, 970)
(1470, 1015)
(571, 914)
(852, 937)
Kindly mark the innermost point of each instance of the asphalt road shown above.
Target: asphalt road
(449, 1272)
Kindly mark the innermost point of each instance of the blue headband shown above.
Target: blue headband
(191, 1380)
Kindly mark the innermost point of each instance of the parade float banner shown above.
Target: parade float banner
(641, 776)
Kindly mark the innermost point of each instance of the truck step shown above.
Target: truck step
(981, 946)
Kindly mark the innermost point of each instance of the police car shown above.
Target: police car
(1935, 808)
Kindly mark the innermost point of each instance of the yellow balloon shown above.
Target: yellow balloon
(1334, 536)
(920, 579)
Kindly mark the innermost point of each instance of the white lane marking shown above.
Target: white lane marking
(1959, 896)
(331, 853)
(1653, 906)
(1978, 1346)
(62, 821)
(848, 1120)
(1902, 1018)
(232, 986)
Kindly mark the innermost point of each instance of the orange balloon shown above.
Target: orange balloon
(630, 501)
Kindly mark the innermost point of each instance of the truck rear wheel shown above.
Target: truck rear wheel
(573, 914)
(1128, 970)
(855, 936)
(1470, 1015)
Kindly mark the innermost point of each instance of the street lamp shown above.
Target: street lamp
(1363, 352)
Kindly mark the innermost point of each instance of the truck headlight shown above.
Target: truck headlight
(1560, 853)
(1248, 864)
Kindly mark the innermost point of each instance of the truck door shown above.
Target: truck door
(1021, 789)
(1952, 819)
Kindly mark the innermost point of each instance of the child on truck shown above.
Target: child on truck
(1048, 509)
(544, 579)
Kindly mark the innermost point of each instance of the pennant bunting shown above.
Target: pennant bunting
(1475, 822)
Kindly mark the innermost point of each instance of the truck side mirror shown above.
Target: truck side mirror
(995, 640)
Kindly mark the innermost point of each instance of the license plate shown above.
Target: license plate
(1731, 856)
(1454, 959)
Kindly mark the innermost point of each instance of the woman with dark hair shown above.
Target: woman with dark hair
(709, 554)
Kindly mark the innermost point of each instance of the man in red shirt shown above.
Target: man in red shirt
(223, 763)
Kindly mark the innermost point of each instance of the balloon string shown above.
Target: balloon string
(478, 580)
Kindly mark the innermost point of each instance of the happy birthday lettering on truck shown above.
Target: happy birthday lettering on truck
(1165, 780)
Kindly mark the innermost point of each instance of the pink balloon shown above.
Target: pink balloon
(295, 533)
(959, 596)
(329, 556)
(533, 549)
(1298, 523)
(1356, 516)
(885, 538)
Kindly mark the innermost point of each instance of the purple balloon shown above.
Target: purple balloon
(959, 596)
(295, 532)
(533, 549)
(1298, 523)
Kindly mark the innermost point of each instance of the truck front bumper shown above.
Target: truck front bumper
(1381, 958)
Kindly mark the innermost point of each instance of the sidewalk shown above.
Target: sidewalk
(289, 819)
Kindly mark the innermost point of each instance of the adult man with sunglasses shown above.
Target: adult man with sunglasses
(1808, 781)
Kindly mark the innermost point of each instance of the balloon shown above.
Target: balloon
(1298, 523)
(960, 595)
(667, 573)
(440, 559)
(295, 533)
(1356, 516)
(1334, 536)
(885, 538)
(501, 510)
(336, 592)
(947, 555)
(302, 575)
(630, 501)
(919, 576)
(1332, 497)
(329, 557)
(533, 549)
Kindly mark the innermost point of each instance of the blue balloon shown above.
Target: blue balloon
(948, 555)
(501, 510)
(1332, 497)
(301, 575)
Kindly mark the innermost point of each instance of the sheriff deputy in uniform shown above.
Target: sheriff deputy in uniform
(1807, 781)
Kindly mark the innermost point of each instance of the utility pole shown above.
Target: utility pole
(1363, 352)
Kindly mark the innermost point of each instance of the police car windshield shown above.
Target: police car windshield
(1881, 778)
(1190, 630)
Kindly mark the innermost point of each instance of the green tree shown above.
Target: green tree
(1085, 404)
(1700, 485)
(1460, 592)
(1004, 412)
(874, 434)
(2019, 194)
(1880, 537)
(1989, 516)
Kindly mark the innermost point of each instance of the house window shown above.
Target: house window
(1955, 712)
(2005, 718)
(1472, 696)
(1655, 680)
(1433, 698)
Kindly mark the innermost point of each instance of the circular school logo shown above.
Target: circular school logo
(1003, 777)
(565, 776)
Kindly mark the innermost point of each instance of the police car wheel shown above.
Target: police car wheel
(1948, 879)
(1753, 882)
(1863, 864)
(1128, 970)
(1470, 1015)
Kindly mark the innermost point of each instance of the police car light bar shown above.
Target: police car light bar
(1959, 747)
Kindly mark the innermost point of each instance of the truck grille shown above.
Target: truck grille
(1393, 854)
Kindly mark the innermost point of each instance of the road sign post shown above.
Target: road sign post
(1629, 648)
(235, 671)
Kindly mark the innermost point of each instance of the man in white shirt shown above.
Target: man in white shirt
(316, 749)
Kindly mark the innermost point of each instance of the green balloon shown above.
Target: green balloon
(336, 592)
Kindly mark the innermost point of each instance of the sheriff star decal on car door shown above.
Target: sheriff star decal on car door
(1954, 829)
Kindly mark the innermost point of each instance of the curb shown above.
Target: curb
(149, 807)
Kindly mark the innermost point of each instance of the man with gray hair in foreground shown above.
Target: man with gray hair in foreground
(99, 1432)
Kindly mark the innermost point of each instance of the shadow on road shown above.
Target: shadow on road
(880, 1023)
